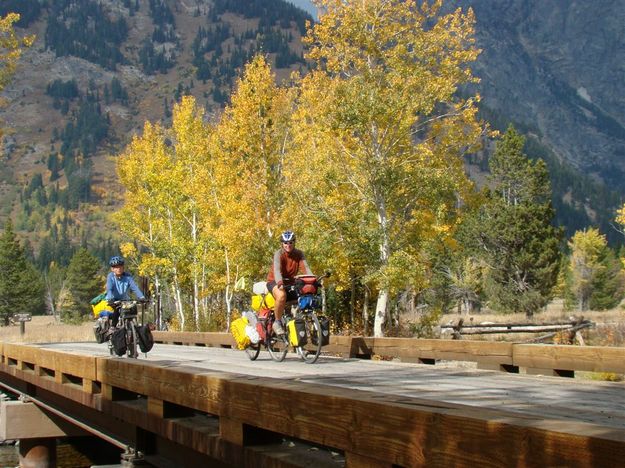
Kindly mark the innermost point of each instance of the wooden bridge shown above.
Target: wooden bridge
(206, 405)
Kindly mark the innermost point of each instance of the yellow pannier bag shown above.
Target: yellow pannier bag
(101, 306)
(237, 328)
(297, 332)
(262, 301)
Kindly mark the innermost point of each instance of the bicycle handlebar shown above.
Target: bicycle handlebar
(128, 302)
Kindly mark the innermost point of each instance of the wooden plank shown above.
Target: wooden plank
(180, 385)
(156, 407)
(581, 358)
(413, 432)
(194, 338)
(90, 386)
(69, 363)
(339, 345)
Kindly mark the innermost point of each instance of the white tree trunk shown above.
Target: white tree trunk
(178, 301)
(385, 255)
(380, 313)
(228, 294)
(196, 291)
(365, 312)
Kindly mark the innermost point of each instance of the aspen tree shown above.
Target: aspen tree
(250, 146)
(381, 116)
(163, 173)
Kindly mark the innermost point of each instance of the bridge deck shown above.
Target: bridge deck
(554, 399)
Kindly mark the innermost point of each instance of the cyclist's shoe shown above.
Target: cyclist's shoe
(277, 328)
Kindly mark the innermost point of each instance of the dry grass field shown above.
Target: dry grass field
(45, 329)
(609, 329)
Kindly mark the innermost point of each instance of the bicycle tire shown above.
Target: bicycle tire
(253, 351)
(132, 339)
(309, 353)
(278, 346)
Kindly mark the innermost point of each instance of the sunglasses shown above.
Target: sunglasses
(288, 242)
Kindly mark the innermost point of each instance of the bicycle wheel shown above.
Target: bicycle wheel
(278, 346)
(310, 351)
(132, 339)
(253, 351)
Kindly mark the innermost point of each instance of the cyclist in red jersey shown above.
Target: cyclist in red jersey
(287, 263)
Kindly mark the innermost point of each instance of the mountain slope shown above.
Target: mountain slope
(555, 69)
(67, 115)
(558, 68)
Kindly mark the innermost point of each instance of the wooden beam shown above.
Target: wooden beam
(353, 460)
(493, 352)
(20, 420)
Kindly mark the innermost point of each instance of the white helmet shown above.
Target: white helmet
(287, 236)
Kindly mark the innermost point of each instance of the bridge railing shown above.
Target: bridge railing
(228, 416)
(561, 360)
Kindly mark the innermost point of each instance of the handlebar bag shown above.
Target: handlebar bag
(306, 284)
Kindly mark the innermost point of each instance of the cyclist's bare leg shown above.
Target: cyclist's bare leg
(279, 295)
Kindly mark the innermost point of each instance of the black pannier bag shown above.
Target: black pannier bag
(324, 323)
(145, 338)
(99, 330)
(118, 340)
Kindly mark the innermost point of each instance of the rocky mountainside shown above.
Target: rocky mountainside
(558, 69)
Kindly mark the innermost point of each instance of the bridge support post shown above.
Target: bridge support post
(37, 453)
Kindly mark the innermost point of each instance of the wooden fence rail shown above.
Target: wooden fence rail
(570, 328)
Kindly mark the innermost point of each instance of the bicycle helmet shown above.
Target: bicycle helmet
(116, 261)
(287, 236)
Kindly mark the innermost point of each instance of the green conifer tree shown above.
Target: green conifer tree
(84, 281)
(609, 283)
(512, 231)
(21, 286)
